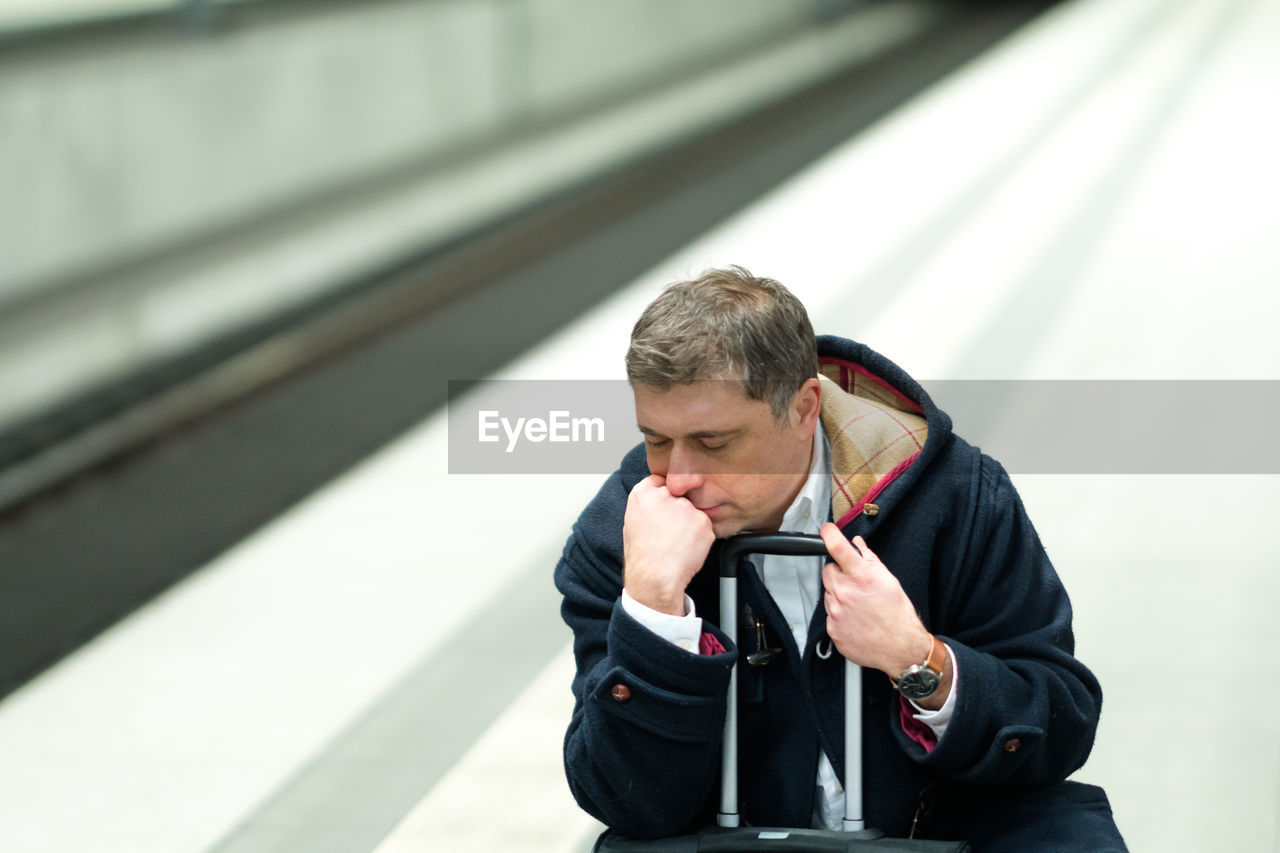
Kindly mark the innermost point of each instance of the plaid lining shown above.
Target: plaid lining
(873, 436)
(845, 373)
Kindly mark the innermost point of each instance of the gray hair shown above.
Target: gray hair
(726, 324)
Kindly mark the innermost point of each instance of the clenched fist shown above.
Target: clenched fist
(665, 540)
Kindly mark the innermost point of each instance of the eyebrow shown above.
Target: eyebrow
(702, 433)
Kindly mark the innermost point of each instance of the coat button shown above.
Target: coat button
(622, 693)
(1011, 745)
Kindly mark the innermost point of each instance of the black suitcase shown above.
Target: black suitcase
(728, 836)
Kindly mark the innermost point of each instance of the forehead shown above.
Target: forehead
(713, 405)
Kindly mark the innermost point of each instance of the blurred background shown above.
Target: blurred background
(245, 245)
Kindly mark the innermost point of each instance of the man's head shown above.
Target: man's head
(725, 324)
(724, 370)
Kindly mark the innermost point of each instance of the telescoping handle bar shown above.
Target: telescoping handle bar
(791, 544)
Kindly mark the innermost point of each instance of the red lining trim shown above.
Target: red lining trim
(876, 489)
(847, 366)
(918, 731)
(709, 645)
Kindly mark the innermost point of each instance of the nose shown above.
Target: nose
(682, 478)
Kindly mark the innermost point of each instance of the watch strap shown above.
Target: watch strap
(937, 658)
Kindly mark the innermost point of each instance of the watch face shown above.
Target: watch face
(918, 682)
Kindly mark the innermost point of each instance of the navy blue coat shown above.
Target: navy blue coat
(952, 529)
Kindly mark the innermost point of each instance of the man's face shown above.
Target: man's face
(725, 452)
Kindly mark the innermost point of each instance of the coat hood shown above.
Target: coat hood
(883, 428)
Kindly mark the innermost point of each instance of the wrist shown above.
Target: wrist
(938, 699)
(913, 650)
(668, 602)
(926, 681)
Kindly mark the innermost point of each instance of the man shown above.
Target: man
(975, 709)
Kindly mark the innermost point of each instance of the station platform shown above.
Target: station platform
(383, 667)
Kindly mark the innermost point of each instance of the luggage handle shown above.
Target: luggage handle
(789, 544)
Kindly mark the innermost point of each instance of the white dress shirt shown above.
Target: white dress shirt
(795, 584)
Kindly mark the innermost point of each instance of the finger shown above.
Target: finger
(840, 549)
(864, 549)
(654, 484)
(831, 575)
(835, 580)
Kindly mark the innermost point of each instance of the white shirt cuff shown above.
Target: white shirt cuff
(938, 720)
(683, 631)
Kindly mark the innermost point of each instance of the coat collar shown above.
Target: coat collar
(882, 425)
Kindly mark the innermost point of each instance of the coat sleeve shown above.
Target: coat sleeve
(1026, 709)
(643, 760)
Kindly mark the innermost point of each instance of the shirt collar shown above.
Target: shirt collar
(811, 506)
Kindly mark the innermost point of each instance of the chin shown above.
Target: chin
(725, 529)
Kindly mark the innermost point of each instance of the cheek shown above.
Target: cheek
(770, 494)
(748, 492)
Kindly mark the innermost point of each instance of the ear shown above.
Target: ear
(806, 405)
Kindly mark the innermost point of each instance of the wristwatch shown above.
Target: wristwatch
(920, 680)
